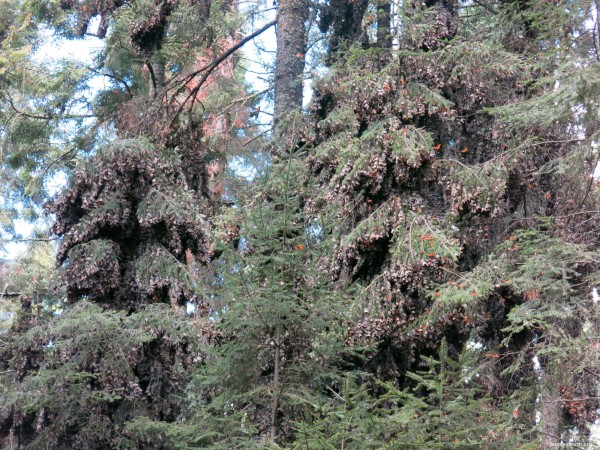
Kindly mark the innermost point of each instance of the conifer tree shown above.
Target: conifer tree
(411, 265)
(134, 226)
(277, 318)
(442, 152)
(446, 408)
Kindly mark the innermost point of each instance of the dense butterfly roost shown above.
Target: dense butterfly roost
(426, 184)
(128, 222)
(146, 35)
(107, 370)
(135, 230)
(415, 271)
(147, 32)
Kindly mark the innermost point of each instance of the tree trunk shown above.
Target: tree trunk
(157, 74)
(384, 29)
(343, 19)
(551, 418)
(290, 58)
(276, 386)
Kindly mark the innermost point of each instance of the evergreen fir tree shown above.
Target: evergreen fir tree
(446, 147)
(279, 321)
(412, 266)
(134, 223)
(446, 408)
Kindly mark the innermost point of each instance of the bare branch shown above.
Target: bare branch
(108, 75)
(46, 117)
(22, 113)
(29, 240)
(209, 68)
(244, 100)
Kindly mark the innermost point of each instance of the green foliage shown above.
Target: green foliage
(32, 273)
(280, 318)
(29, 278)
(411, 267)
(445, 407)
(417, 239)
(278, 321)
(83, 374)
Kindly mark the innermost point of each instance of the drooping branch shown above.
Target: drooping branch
(28, 240)
(23, 113)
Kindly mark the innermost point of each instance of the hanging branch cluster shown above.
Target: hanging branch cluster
(127, 222)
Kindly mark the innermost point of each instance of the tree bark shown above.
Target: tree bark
(343, 19)
(551, 418)
(384, 29)
(157, 74)
(276, 386)
(290, 58)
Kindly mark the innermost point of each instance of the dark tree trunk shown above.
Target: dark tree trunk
(290, 59)
(344, 19)
(157, 74)
(384, 29)
(289, 77)
(551, 418)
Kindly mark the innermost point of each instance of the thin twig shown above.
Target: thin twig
(589, 187)
(46, 117)
(243, 100)
(256, 137)
(21, 113)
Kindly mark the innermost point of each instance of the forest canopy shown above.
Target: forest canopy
(337, 224)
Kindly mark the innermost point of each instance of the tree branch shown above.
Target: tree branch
(47, 117)
(21, 113)
(152, 77)
(243, 100)
(596, 31)
(209, 68)
(114, 77)
(488, 8)
(29, 240)
(590, 184)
